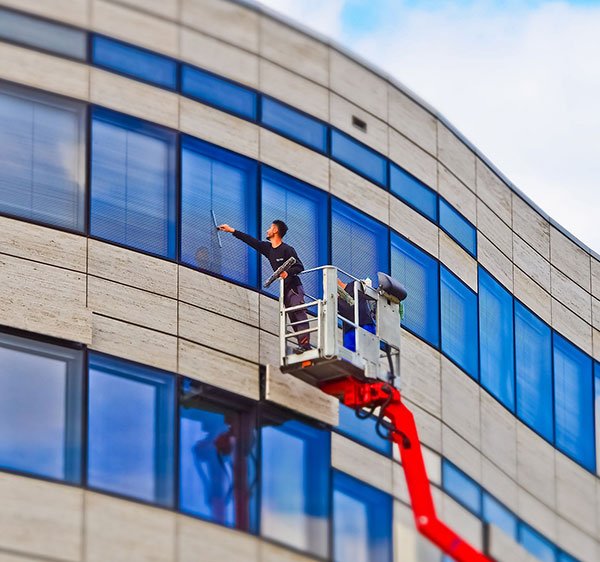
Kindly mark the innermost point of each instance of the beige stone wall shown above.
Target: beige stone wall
(156, 312)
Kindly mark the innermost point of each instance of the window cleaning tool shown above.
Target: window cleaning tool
(283, 267)
(217, 227)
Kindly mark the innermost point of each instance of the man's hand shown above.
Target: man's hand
(283, 274)
(226, 228)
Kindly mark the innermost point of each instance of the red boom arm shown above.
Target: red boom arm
(357, 394)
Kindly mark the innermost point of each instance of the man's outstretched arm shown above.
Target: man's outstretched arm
(262, 247)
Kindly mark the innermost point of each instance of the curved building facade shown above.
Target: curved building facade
(138, 421)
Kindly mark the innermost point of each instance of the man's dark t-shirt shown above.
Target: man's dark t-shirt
(347, 311)
(277, 257)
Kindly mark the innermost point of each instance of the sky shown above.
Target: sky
(519, 79)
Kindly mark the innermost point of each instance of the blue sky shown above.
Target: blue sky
(519, 79)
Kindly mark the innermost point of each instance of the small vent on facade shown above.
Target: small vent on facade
(359, 123)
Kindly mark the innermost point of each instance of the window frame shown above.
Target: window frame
(174, 176)
(422, 185)
(84, 148)
(32, 339)
(255, 94)
(361, 146)
(171, 489)
(280, 131)
(92, 36)
(453, 210)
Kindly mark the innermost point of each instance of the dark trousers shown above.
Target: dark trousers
(295, 297)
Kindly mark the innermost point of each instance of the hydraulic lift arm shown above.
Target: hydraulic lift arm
(402, 430)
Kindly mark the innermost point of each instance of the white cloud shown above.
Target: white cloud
(520, 80)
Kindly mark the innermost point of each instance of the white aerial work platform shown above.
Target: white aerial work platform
(377, 356)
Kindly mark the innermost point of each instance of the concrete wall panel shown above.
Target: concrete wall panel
(40, 518)
(294, 50)
(124, 531)
(132, 268)
(294, 159)
(42, 244)
(218, 369)
(134, 343)
(45, 72)
(219, 128)
(134, 98)
(219, 57)
(133, 26)
(413, 159)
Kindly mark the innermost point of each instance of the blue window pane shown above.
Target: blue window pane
(574, 403)
(40, 408)
(536, 544)
(533, 353)
(217, 186)
(304, 210)
(134, 62)
(219, 92)
(217, 459)
(459, 322)
(43, 34)
(362, 521)
(293, 124)
(295, 506)
(133, 183)
(458, 227)
(42, 161)
(419, 273)
(496, 514)
(358, 157)
(462, 488)
(496, 340)
(413, 192)
(131, 429)
(359, 243)
(362, 430)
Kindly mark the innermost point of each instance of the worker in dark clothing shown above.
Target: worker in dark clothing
(365, 318)
(277, 252)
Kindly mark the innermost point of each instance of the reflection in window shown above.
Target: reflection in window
(413, 192)
(462, 488)
(536, 544)
(358, 157)
(419, 273)
(574, 403)
(359, 243)
(42, 161)
(362, 521)
(533, 354)
(217, 479)
(459, 322)
(304, 209)
(295, 504)
(294, 124)
(496, 344)
(133, 61)
(43, 34)
(131, 429)
(40, 408)
(133, 183)
(209, 88)
(458, 227)
(217, 186)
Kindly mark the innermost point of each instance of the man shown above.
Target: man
(277, 252)
(365, 319)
